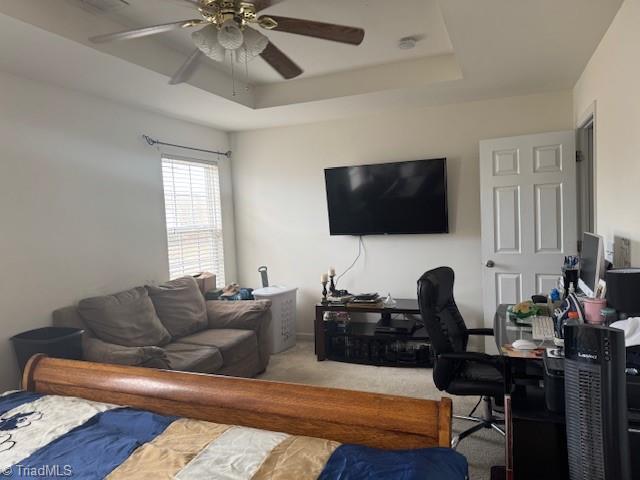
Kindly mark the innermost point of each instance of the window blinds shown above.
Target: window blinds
(194, 217)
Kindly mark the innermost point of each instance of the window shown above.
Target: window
(194, 217)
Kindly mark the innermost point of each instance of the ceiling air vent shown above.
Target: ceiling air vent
(103, 6)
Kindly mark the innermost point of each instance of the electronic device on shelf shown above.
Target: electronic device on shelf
(542, 328)
(396, 325)
(366, 298)
(591, 264)
(388, 198)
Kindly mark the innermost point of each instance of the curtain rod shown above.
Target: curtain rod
(153, 141)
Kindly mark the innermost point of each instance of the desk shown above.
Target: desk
(536, 442)
(402, 306)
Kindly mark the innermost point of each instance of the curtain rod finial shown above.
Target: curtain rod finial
(149, 140)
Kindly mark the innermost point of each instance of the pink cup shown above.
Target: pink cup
(592, 307)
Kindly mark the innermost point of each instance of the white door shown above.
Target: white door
(528, 202)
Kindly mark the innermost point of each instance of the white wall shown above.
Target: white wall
(611, 80)
(280, 205)
(81, 202)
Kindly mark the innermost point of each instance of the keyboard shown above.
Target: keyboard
(542, 328)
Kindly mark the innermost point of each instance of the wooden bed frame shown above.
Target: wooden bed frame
(383, 421)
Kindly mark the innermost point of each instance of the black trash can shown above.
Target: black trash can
(59, 342)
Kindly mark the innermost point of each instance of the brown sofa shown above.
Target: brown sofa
(172, 327)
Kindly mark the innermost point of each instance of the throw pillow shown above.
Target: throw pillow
(180, 306)
(126, 318)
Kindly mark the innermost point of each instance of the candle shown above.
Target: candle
(332, 271)
(324, 278)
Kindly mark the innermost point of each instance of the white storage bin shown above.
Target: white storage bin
(283, 313)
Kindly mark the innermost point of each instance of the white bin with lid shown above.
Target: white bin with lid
(283, 315)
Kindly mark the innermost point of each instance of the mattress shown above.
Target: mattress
(49, 436)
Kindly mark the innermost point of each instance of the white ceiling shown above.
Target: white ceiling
(489, 48)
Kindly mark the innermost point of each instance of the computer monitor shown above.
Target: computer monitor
(591, 263)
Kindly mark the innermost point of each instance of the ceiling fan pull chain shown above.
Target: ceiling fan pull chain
(246, 69)
(233, 72)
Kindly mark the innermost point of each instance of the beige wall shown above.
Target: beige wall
(611, 80)
(280, 205)
(81, 202)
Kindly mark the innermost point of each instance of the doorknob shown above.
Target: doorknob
(490, 264)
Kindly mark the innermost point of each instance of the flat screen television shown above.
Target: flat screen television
(388, 198)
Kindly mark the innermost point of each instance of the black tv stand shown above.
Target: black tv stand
(392, 341)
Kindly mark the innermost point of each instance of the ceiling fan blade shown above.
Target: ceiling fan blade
(262, 4)
(188, 67)
(146, 31)
(280, 62)
(325, 31)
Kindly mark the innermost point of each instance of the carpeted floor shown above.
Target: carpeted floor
(299, 365)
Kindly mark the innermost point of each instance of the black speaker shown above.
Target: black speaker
(596, 403)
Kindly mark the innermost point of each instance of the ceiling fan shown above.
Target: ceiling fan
(228, 25)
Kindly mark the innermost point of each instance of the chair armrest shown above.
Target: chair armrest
(241, 314)
(481, 331)
(95, 350)
(472, 357)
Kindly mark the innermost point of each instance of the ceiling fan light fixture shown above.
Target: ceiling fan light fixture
(230, 35)
(254, 44)
(206, 39)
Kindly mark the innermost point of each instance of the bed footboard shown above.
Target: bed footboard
(376, 420)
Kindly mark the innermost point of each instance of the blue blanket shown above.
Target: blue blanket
(52, 436)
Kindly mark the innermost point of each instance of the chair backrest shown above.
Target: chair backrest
(442, 319)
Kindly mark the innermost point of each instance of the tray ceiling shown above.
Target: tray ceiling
(468, 50)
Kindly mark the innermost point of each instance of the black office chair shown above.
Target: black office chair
(456, 370)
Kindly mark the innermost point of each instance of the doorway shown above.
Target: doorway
(586, 172)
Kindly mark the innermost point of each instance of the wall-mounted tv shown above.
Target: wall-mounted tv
(388, 198)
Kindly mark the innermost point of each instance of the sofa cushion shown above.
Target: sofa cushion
(180, 306)
(235, 345)
(245, 315)
(126, 318)
(188, 357)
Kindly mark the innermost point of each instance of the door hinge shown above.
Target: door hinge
(579, 156)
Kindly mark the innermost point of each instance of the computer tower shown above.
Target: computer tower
(596, 403)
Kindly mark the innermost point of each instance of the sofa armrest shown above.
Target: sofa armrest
(244, 315)
(95, 350)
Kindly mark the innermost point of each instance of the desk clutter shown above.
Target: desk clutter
(589, 292)
(619, 309)
(586, 338)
